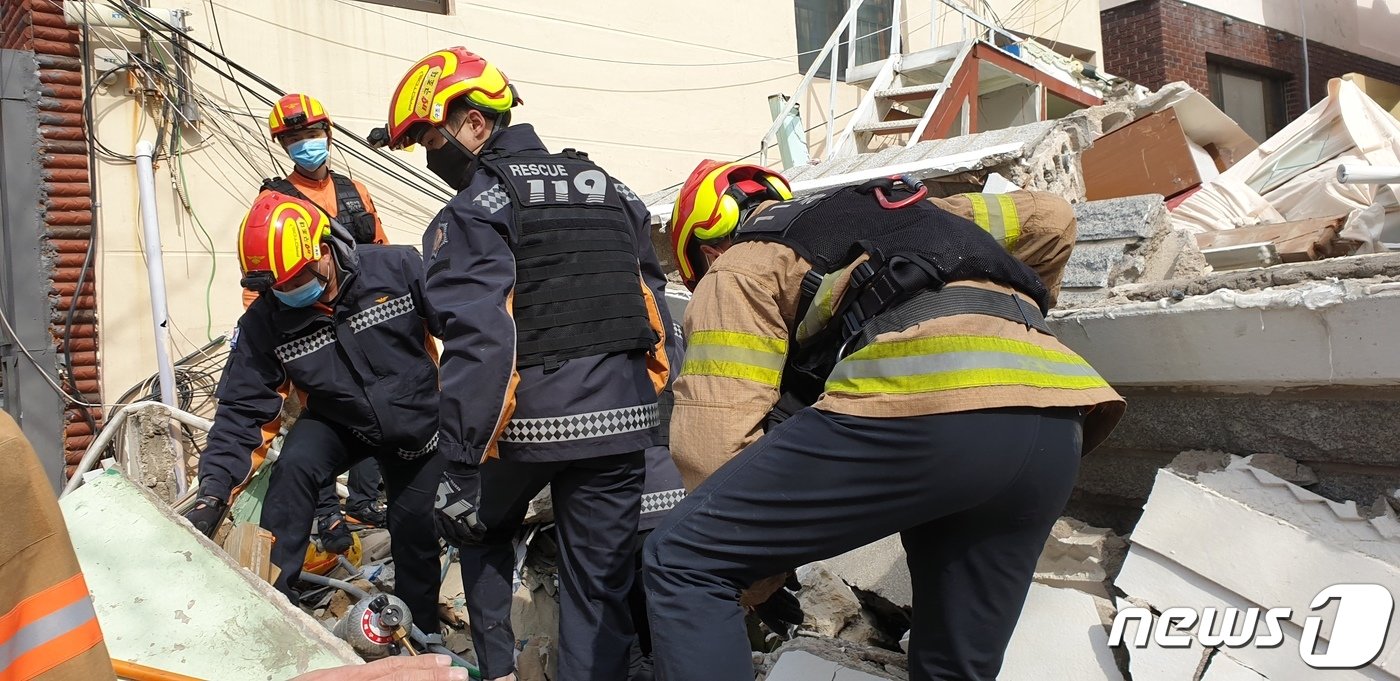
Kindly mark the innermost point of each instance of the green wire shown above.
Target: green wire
(213, 257)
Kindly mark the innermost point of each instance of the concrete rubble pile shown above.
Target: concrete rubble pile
(1267, 362)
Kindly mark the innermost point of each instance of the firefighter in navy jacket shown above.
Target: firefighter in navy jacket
(541, 274)
(344, 324)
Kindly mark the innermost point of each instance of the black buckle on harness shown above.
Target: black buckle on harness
(877, 287)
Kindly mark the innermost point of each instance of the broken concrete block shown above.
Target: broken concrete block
(1341, 522)
(538, 660)
(1078, 556)
(1190, 464)
(1059, 636)
(1284, 467)
(1307, 545)
(1099, 265)
(800, 665)
(849, 657)
(534, 616)
(151, 452)
(828, 605)
(541, 508)
(878, 568)
(174, 603)
(1131, 217)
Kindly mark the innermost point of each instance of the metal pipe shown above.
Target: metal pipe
(155, 277)
(99, 443)
(347, 587)
(1368, 174)
(1307, 78)
(130, 671)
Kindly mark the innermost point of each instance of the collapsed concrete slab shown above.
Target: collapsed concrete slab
(1060, 635)
(167, 597)
(1293, 360)
(851, 659)
(1043, 155)
(1308, 545)
(800, 665)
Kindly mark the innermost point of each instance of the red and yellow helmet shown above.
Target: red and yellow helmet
(280, 235)
(711, 205)
(294, 112)
(436, 81)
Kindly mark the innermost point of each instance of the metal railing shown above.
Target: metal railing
(972, 26)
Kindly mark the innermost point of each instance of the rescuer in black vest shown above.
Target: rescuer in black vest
(542, 274)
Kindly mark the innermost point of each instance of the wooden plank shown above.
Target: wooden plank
(1148, 156)
(1296, 241)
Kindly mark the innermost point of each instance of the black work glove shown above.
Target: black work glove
(457, 509)
(206, 515)
(782, 613)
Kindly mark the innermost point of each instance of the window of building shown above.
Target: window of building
(1253, 98)
(816, 19)
(434, 6)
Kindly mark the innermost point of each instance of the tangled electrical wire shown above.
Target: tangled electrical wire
(196, 379)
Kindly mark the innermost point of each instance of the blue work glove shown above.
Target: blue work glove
(457, 509)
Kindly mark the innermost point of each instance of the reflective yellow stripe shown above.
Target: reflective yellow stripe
(955, 362)
(819, 312)
(733, 354)
(1000, 217)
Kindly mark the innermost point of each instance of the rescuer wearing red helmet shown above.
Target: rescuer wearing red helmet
(541, 272)
(862, 362)
(344, 324)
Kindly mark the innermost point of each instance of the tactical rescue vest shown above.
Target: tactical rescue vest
(578, 286)
(914, 250)
(350, 206)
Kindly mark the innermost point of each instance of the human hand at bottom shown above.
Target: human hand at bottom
(420, 668)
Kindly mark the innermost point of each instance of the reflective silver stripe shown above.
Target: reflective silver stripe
(45, 629)
(998, 216)
(583, 426)
(656, 502)
(381, 313)
(728, 353)
(407, 454)
(305, 345)
(916, 365)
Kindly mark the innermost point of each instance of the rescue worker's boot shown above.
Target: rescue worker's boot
(372, 514)
(333, 533)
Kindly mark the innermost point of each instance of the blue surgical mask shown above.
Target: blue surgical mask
(310, 154)
(302, 296)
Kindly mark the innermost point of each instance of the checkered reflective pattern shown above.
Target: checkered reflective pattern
(583, 426)
(381, 313)
(656, 502)
(493, 199)
(405, 454)
(625, 192)
(305, 345)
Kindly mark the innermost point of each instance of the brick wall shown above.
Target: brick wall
(1154, 42)
(38, 26)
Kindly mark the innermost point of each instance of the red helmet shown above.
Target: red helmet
(436, 81)
(280, 235)
(711, 203)
(294, 112)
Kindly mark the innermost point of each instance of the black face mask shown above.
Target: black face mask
(453, 163)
